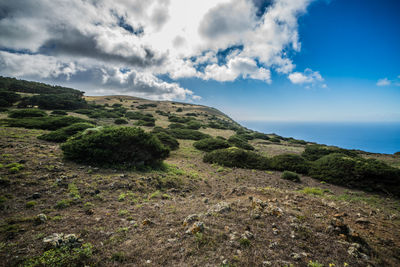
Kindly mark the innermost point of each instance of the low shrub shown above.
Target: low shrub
(27, 113)
(145, 123)
(173, 118)
(296, 141)
(122, 146)
(44, 123)
(179, 110)
(262, 136)
(8, 98)
(167, 140)
(210, 144)
(194, 125)
(144, 106)
(176, 126)
(62, 134)
(275, 140)
(357, 172)
(139, 116)
(188, 134)
(290, 162)
(59, 112)
(120, 121)
(236, 140)
(235, 157)
(314, 152)
(291, 176)
(162, 113)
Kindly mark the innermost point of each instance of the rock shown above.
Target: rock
(147, 222)
(36, 195)
(248, 235)
(273, 245)
(275, 231)
(197, 227)
(295, 256)
(318, 215)
(205, 200)
(363, 221)
(60, 240)
(191, 218)
(41, 218)
(266, 263)
(221, 207)
(202, 194)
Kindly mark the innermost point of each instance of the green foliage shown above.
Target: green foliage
(238, 141)
(139, 116)
(191, 114)
(120, 121)
(123, 146)
(27, 113)
(275, 140)
(290, 162)
(174, 118)
(188, 134)
(14, 167)
(44, 123)
(167, 140)
(397, 153)
(313, 191)
(145, 106)
(118, 257)
(62, 204)
(145, 123)
(7, 98)
(194, 125)
(162, 113)
(59, 112)
(210, 144)
(291, 176)
(30, 204)
(179, 110)
(357, 172)
(63, 256)
(296, 141)
(54, 101)
(314, 152)
(262, 136)
(315, 264)
(235, 157)
(62, 134)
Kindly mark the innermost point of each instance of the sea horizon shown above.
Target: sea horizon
(375, 137)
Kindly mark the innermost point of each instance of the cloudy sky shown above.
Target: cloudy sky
(253, 59)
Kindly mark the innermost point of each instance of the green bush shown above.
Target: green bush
(235, 157)
(173, 118)
(44, 123)
(194, 125)
(107, 114)
(275, 140)
(7, 98)
(179, 110)
(291, 176)
(162, 113)
(59, 112)
(27, 113)
(120, 121)
(236, 140)
(262, 136)
(167, 140)
(122, 146)
(210, 144)
(62, 134)
(145, 123)
(188, 134)
(314, 152)
(144, 106)
(357, 172)
(296, 141)
(290, 162)
(139, 116)
(176, 126)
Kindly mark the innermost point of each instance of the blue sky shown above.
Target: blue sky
(262, 60)
(352, 44)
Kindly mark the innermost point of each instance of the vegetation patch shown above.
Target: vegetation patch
(235, 157)
(44, 123)
(167, 140)
(210, 144)
(290, 162)
(188, 134)
(27, 113)
(62, 134)
(122, 146)
(291, 176)
(240, 142)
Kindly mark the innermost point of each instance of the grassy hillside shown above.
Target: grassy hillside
(185, 211)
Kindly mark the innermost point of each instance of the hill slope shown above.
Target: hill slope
(190, 213)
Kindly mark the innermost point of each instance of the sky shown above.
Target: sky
(255, 60)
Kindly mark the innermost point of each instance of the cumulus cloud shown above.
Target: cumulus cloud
(383, 82)
(307, 77)
(219, 40)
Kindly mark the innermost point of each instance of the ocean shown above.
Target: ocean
(371, 137)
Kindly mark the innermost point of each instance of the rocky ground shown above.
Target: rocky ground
(211, 216)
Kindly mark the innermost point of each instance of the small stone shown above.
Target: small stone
(248, 235)
(202, 194)
(225, 262)
(266, 263)
(295, 256)
(41, 218)
(318, 215)
(148, 261)
(147, 222)
(197, 227)
(273, 245)
(221, 207)
(363, 221)
(190, 218)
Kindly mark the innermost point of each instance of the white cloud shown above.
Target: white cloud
(180, 38)
(307, 77)
(383, 82)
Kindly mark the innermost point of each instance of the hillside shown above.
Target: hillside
(56, 212)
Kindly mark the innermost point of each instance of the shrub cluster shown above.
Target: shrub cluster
(145, 106)
(44, 123)
(162, 113)
(240, 142)
(188, 134)
(174, 118)
(290, 162)
(122, 146)
(210, 144)
(59, 112)
(139, 116)
(167, 140)
(7, 98)
(27, 113)
(291, 176)
(314, 152)
(262, 136)
(235, 157)
(120, 121)
(62, 134)
(357, 172)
